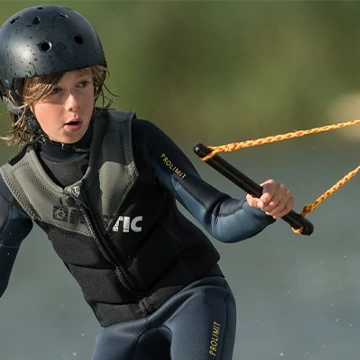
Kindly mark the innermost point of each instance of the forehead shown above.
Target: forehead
(78, 73)
(74, 75)
(82, 72)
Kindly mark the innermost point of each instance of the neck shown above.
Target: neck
(60, 151)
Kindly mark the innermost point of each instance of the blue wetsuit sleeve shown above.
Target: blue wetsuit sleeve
(225, 218)
(14, 227)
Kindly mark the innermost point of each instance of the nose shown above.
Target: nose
(72, 103)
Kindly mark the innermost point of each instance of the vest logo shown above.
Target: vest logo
(69, 215)
(72, 215)
(127, 224)
(73, 190)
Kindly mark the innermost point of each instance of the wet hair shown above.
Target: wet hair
(37, 88)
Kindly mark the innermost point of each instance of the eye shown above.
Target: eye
(55, 91)
(84, 83)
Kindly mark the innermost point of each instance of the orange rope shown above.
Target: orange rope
(308, 208)
(274, 138)
(270, 139)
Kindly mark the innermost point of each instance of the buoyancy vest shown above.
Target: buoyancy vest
(118, 231)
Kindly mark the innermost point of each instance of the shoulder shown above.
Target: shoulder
(6, 197)
(15, 224)
(137, 124)
(146, 129)
(112, 120)
(142, 130)
(117, 115)
(5, 193)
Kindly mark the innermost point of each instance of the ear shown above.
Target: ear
(31, 122)
(12, 107)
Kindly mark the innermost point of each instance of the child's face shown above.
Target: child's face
(65, 114)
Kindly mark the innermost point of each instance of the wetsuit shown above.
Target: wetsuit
(198, 321)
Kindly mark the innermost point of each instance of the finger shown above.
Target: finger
(284, 208)
(274, 202)
(278, 209)
(254, 201)
(268, 191)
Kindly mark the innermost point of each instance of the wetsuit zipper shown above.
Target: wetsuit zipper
(105, 246)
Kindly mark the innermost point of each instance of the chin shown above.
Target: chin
(73, 138)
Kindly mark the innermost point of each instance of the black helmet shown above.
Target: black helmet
(44, 40)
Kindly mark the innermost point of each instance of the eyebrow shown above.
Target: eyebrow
(80, 74)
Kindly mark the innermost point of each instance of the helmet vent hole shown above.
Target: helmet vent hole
(13, 21)
(65, 16)
(45, 46)
(40, 8)
(78, 39)
(36, 20)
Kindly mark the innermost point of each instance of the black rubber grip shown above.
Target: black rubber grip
(294, 219)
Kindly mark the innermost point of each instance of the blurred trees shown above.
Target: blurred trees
(220, 71)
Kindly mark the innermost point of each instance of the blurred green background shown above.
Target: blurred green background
(217, 72)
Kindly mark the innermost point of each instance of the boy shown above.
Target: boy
(98, 182)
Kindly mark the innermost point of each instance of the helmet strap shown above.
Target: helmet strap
(31, 122)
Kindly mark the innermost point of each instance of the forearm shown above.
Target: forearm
(225, 218)
(7, 258)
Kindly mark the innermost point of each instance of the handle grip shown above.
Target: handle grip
(294, 219)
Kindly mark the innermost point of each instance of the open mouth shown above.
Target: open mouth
(75, 122)
(73, 125)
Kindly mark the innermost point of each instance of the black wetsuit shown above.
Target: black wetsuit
(198, 322)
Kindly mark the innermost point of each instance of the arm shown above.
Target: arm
(225, 218)
(14, 227)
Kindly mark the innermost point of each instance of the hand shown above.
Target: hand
(276, 200)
